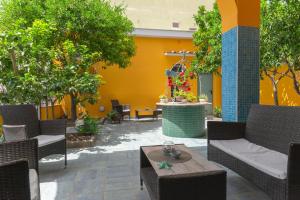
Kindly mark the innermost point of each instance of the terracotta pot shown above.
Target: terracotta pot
(179, 99)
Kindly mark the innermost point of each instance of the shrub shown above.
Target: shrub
(190, 97)
(89, 126)
(112, 115)
(218, 112)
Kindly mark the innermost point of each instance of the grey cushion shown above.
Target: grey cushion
(273, 127)
(14, 132)
(34, 185)
(268, 161)
(44, 140)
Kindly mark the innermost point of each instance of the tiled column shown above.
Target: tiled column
(240, 58)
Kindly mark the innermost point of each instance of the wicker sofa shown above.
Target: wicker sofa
(21, 122)
(19, 170)
(265, 150)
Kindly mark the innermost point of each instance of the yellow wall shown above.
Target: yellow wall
(58, 112)
(287, 95)
(217, 90)
(144, 80)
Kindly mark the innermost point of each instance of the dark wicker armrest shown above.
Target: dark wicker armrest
(217, 130)
(293, 172)
(26, 149)
(14, 180)
(53, 127)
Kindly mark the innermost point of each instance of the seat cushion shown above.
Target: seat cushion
(44, 140)
(268, 161)
(34, 185)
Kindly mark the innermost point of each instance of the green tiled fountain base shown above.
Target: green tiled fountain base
(183, 121)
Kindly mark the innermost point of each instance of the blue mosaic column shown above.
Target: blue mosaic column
(240, 72)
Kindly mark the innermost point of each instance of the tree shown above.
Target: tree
(288, 31)
(280, 40)
(78, 78)
(21, 58)
(95, 31)
(208, 40)
(101, 27)
(85, 32)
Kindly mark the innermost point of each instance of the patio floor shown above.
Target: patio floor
(110, 170)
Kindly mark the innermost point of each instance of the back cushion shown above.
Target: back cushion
(21, 115)
(273, 127)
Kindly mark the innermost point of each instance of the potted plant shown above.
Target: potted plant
(113, 117)
(203, 98)
(163, 98)
(88, 127)
(190, 97)
(180, 96)
(218, 112)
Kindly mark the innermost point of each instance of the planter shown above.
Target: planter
(184, 101)
(163, 100)
(202, 100)
(179, 99)
(75, 140)
(184, 120)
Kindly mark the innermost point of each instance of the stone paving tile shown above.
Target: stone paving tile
(110, 171)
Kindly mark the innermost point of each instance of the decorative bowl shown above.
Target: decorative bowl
(175, 154)
(168, 147)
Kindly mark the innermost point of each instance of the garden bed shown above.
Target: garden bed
(75, 140)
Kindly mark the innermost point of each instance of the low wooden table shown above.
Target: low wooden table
(150, 113)
(194, 179)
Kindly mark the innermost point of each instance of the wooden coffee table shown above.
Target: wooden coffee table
(194, 179)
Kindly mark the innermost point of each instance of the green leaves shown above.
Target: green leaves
(89, 126)
(280, 33)
(47, 48)
(280, 40)
(98, 25)
(164, 165)
(207, 39)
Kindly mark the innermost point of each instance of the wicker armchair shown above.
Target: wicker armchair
(270, 130)
(22, 121)
(19, 170)
(123, 110)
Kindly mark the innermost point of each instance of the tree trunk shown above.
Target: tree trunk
(40, 110)
(14, 60)
(275, 92)
(47, 108)
(52, 108)
(296, 81)
(73, 108)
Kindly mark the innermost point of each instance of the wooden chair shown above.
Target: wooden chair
(123, 110)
